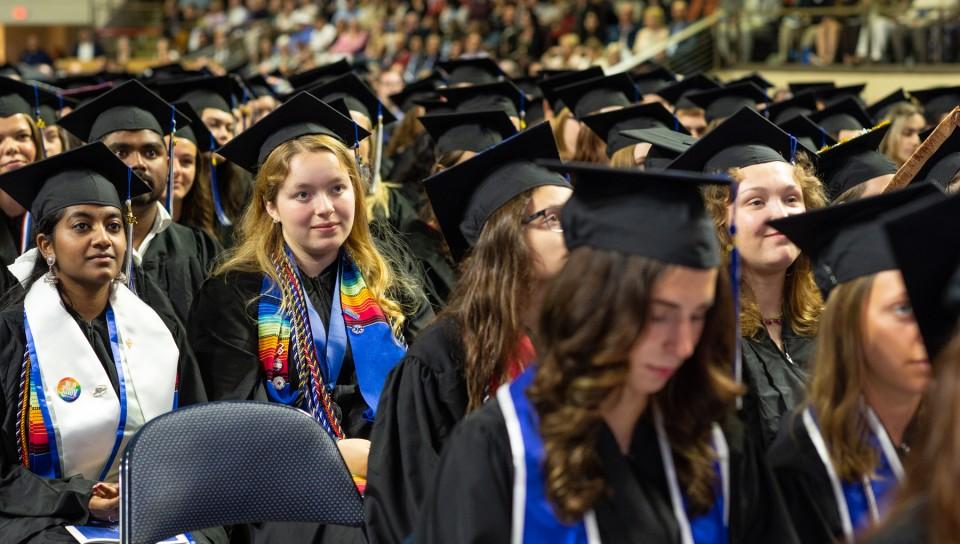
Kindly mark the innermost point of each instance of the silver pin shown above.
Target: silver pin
(99, 391)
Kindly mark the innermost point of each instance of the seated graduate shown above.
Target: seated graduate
(616, 434)
(84, 363)
(626, 152)
(926, 245)
(306, 310)
(838, 458)
(854, 169)
(779, 302)
(194, 176)
(499, 213)
(132, 121)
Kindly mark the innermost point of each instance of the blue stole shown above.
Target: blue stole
(534, 519)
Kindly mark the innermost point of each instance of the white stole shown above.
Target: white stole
(87, 428)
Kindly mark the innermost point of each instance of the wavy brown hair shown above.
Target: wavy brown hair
(197, 209)
(836, 385)
(584, 362)
(408, 130)
(801, 297)
(623, 158)
(259, 238)
(488, 300)
(933, 470)
(556, 126)
(590, 147)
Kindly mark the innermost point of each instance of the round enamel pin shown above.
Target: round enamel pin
(68, 389)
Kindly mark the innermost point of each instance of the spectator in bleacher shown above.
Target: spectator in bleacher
(827, 33)
(322, 35)
(237, 15)
(87, 47)
(654, 32)
(625, 31)
(875, 35)
(679, 23)
(351, 38)
(34, 54)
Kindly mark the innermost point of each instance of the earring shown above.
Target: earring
(120, 279)
(51, 275)
(276, 220)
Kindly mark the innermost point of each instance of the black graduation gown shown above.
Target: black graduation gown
(34, 509)
(223, 332)
(178, 260)
(9, 239)
(424, 398)
(776, 380)
(427, 246)
(471, 499)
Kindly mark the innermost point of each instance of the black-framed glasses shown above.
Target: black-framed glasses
(549, 219)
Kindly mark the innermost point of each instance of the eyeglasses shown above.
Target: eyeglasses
(550, 219)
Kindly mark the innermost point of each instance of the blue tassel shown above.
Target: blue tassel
(793, 149)
(215, 188)
(173, 132)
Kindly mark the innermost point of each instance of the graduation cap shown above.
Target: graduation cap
(847, 114)
(219, 93)
(754, 78)
(10, 70)
(466, 195)
(321, 74)
(593, 95)
(534, 106)
(19, 97)
(474, 131)
(810, 135)
(651, 81)
(196, 131)
(926, 248)
(424, 88)
(129, 106)
(90, 174)
(502, 95)
(82, 95)
(745, 139)
(881, 107)
(725, 101)
(51, 105)
(301, 115)
(804, 86)
(802, 104)
(676, 94)
(665, 144)
(832, 95)
(435, 105)
(608, 125)
(563, 78)
(854, 161)
(78, 80)
(259, 86)
(356, 94)
(937, 102)
(607, 202)
(173, 70)
(847, 241)
(477, 71)
(943, 165)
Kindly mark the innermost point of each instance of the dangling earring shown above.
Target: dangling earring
(121, 279)
(51, 275)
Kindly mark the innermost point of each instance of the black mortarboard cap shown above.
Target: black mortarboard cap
(502, 95)
(879, 109)
(847, 114)
(90, 174)
(937, 102)
(725, 101)
(406, 99)
(926, 247)
(809, 134)
(608, 125)
(944, 164)
(854, 161)
(550, 85)
(745, 139)
(608, 203)
(129, 106)
(219, 93)
(8, 70)
(754, 78)
(676, 94)
(477, 71)
(196, 131)
(82, 95)
(301, 115)
(356, 94)
(831, 95)
(22, 97)
(474, 131)
(665, 144)
(318, 75)
(435, 105)
(534, 106)
(804, 86)
(259, 86)
(802, 104)
(465, 196)
(592, 95)
(847, 241)
(651, 81)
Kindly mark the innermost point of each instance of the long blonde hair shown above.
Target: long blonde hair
(898, 118)
(801, 295)
(623, 158)
(838, 374)
(260, 239)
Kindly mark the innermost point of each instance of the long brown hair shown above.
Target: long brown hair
(260, 238)
(408, 130)
(933, 470)
(197, 206)
(801, 297)
(836, 386)
(584, 361)
(488, 299)
(590, 147)
(623, 158)
(556, 126)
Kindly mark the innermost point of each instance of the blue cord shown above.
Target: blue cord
(173, 132)
(793, 149)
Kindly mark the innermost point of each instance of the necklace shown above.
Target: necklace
(772, 320)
